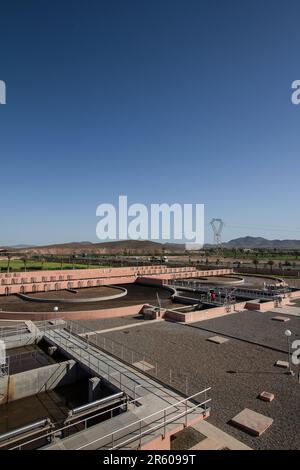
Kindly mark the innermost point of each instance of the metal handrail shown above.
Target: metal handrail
(91, 405)
(7, 332)
(158, 426)
(174, 378)
(25, 354)
(60, 430)
(150, 416)
(93, 333)
(29, 427)
(89, 353)
(70, 425)
(103, 371)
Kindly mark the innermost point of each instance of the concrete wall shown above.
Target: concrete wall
(26, 333)
(43, 281)
(266, 306)
(199, 315)
(17, 341)
(39, 380)
(74, 315)
(164, 442)
(149, 281)
(121, 292)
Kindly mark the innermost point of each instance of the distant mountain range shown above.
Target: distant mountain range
(260, 242)
(16, 247)
(114, 247)
(147, 246)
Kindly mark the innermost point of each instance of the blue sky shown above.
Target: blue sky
(161, 100)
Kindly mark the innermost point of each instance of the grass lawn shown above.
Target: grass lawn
(18, 265)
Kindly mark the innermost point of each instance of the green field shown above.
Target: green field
(17, 265)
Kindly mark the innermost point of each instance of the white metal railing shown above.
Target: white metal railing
(158, 420)
(131, 357)
(84, 422)
(25, 355)
(167, 418)
(197, 285)
(19, 431)
(8, 334)
(96, 362)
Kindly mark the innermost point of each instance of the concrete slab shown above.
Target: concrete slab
(281, 319)
(143, 365)
(218, 436)
(57, 321)
(288, 310)
(217, 339)
(266, 396)
(283, 364)
(208, 444)
(252, 422)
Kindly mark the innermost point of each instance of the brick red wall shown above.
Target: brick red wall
(41, 281)
(76, 315)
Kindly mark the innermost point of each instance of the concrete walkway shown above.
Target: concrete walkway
(155, 403)
(288, 310)
(216, 439)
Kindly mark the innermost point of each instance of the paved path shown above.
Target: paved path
(216, 439)
(288, 310)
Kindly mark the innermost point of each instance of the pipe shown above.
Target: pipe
(102, 401)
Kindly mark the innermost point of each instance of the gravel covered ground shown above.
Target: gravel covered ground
(107, 323)
(186, 439)
(237, 372)
(255, 327)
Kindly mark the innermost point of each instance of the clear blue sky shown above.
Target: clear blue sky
(162, 100)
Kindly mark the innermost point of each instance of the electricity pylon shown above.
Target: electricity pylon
(217, 227)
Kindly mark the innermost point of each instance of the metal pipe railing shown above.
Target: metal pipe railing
(29, 427)
(95, 364)
(188, 410)
(131, 356)
(158, 426)
(146, 419)
(83, 421)
(102, 401)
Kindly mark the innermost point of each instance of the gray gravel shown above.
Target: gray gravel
(254, 326)
(107, 323)
(185, 350)
(186, 439)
